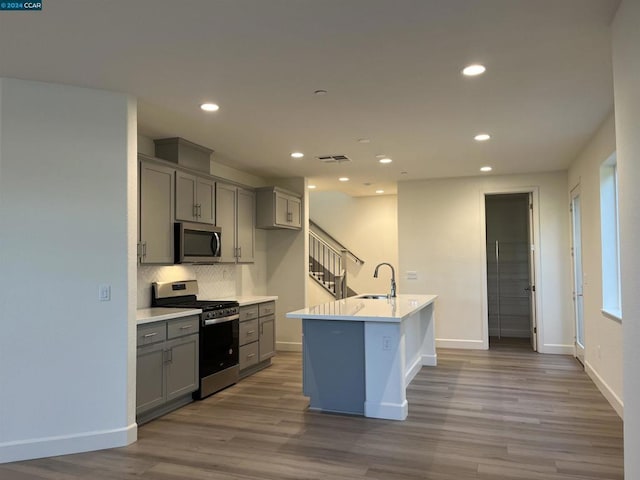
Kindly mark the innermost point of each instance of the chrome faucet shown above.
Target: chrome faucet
(393, 277)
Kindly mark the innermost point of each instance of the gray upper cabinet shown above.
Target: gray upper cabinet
(235, 215)
(156, 197)
(278, 208)
(246, 221)
(195, 198)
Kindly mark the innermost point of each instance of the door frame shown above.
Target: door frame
(535, 219)
(576, 294)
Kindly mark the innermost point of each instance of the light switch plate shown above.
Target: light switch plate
(412, 275)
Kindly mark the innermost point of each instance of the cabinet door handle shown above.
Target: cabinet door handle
(195, 210)
(144, 249)
(250, 332)
(239, 252)
(251, 355)
(149, 335)
(199, 210)
(184, 327)
(168, 356)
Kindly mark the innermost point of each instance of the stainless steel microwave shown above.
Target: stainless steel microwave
(197, 243)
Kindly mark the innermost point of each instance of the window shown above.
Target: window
(611, 305)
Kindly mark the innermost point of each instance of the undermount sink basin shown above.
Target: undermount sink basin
(374, 297)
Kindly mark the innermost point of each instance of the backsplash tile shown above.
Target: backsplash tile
(214, 281)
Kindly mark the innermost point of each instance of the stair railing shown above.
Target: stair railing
(327, 266)
(313, 226)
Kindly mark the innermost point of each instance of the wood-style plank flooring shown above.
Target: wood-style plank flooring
(507, 413)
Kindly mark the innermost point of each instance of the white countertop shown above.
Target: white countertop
(156, 314)
(366, 310)
(245, 300)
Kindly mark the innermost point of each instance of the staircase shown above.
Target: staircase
(328, 261)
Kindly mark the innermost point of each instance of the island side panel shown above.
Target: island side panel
(385, 361)
(428, 333)
(333, 365)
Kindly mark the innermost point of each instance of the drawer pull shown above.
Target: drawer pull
(184, 327)
(149, 335)
(250, 332)
(251, 355)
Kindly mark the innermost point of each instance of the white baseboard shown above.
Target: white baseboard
(455, 343)
(429, 360)
(389, 411)
(67, 444)
(412, 371)
(557, 349)
(289, 346)
(605, 389)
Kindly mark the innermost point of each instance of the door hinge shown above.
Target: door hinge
(535, 329)
(531, 206)
(533, 288)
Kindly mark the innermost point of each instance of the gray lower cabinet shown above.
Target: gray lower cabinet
(257, 337)
(167, 366)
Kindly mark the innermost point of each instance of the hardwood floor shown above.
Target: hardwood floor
(507, 413)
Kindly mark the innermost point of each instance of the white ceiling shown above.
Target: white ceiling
(391, 69)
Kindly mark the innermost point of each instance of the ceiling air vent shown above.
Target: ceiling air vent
(333, 158)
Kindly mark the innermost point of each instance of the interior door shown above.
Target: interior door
(576, 254)
(532, 278)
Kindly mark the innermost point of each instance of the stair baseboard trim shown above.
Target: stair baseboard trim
(67, 444)
(605, 389)
(289, 346)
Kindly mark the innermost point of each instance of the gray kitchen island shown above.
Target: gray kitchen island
(360, 353)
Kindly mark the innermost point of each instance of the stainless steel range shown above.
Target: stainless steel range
(219, 333)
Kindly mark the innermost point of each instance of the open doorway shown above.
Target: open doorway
(510, 270)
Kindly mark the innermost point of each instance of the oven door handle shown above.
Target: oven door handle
(213, 321)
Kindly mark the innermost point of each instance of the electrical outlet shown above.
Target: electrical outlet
(386, 343)
(104, 293)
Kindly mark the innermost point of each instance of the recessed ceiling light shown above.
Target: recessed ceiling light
(209, 107)
(379, 191)
(364, 140)
(344, 179)
(482, 137)
(486, 169)
(320, 92)
(385, 160)
(311, 187)
(473, 70)
(297, 154)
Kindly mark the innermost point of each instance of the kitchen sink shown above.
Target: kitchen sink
(374, 297)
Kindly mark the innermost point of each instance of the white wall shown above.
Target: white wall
(441, 235)
(626, 76)
(603, 335)
(368, 226)
(67, 225)
(287, 270)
